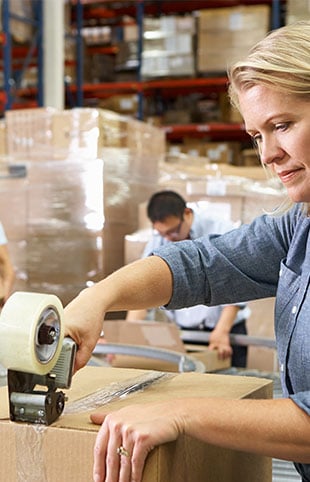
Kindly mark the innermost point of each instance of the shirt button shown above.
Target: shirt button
(294, 309)
(281, 367)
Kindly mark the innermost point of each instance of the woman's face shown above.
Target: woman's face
(280, 126)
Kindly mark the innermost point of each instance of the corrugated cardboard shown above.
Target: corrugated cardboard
(64, 450)
(225, 34)
(156, 334)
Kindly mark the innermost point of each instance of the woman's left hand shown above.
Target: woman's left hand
(128, 435)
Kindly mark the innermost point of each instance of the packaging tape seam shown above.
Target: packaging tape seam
(29, 452)
(116, 391)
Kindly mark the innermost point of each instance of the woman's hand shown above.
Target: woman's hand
(83, 319)
(137, 429)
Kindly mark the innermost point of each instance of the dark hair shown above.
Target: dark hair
(165, 203)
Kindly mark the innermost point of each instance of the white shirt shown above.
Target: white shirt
(203, 225)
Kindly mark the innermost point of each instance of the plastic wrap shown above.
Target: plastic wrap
(247, 190)
(131, 151)
(87, 171)
(117, 390)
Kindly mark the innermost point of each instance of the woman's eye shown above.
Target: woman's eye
(282, 126)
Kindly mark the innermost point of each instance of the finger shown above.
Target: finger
(97, 418)
(226, 353)
(113, 457)
(99, 471)
(80, 360)
(83, 354)
(220, 354)
(212, 347)
(139, 455)
(126, 460)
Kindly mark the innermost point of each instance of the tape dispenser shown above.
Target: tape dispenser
(38, 357)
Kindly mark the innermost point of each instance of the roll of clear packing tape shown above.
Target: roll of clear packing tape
(31, 332)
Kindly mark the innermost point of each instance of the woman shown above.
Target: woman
(269, 257)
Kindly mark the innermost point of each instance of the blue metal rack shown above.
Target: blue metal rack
(140, 8)
(13, 77)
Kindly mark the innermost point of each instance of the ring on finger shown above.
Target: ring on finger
(122, 451)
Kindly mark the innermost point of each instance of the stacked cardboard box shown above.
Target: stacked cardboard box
(168, 46)
(131, 151)
(297, 10)
(226, 34)
(87, 171)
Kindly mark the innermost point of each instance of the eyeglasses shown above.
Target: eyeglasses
(172, 232)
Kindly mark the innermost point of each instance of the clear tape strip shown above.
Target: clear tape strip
(115, 391)
(30, 466)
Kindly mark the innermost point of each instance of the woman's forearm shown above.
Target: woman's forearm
(276, 428)
(143, 284)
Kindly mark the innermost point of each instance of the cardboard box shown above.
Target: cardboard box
(208, 357)
(261, 324)
(29, 133)
(64, 450)
(226, 34)
(157, 334)
(297, 10)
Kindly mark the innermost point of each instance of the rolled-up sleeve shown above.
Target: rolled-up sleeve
(302, 399)
(240, 265)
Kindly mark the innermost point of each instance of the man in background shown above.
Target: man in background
(173, 220)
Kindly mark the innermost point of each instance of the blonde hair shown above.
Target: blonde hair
(281, 60)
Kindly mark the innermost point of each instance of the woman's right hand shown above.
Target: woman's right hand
(83, 318)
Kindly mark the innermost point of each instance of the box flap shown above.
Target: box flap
(150, 333)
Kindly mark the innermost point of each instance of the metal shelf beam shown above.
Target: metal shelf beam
(13, 79)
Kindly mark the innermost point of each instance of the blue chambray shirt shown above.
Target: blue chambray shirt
(203, 224)
(269, 257)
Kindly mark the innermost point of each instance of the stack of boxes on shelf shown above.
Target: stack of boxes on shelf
(218, 152)
(225, 35)
(87, 171)
(197, 44)
(297, 10)
(200, 42)
(168, 45)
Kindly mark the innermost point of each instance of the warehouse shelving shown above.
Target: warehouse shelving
(18, 58)
(112, 11)
(109, 11)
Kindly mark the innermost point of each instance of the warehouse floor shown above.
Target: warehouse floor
(282, 471)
